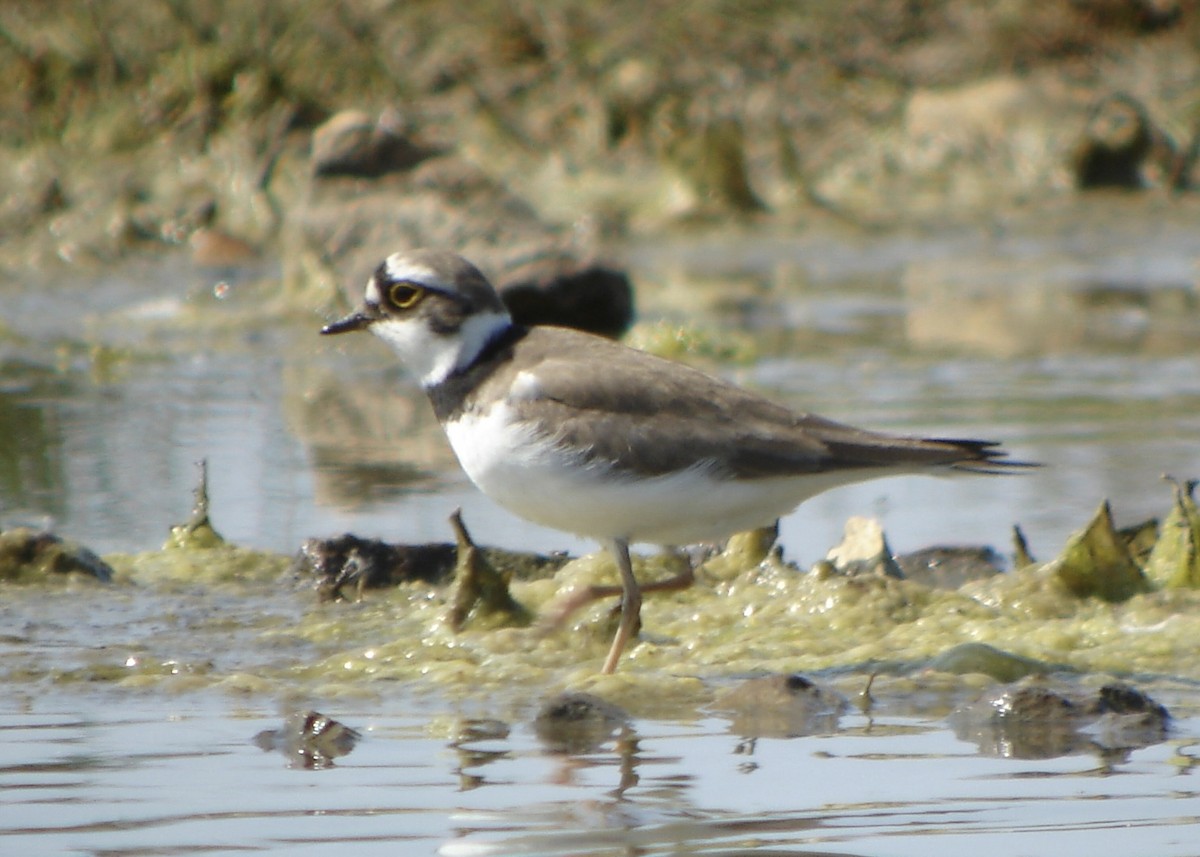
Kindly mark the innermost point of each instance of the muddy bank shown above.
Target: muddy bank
(514, 130)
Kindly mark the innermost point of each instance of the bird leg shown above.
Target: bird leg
(631, 604)
(558, 612)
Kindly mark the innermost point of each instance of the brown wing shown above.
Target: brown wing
(655, 416)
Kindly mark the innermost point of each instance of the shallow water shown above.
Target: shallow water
(128, 719)
(174, 777)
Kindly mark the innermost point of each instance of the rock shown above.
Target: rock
(743, 552)
(560, 290)
(350, 560)
(970, 116)
(1174, 561)
(341, 232)
(864, 550)
(1037, 719)
(950, 566)
(980, 658)
(975, 146)
(350, 143)
(27, 554)
(481, 593)
(370, 563)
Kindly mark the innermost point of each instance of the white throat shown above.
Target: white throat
(433, 358)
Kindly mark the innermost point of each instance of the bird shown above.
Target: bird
(586, 435)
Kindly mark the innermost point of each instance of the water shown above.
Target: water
(1073, 345)
(174, 777)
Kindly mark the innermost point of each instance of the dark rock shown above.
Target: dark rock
(371, 563)
(30, 554)
(1034, 719)
(949, 567)
(562, 291)
(350, 560)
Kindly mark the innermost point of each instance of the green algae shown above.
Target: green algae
(197, 532)
(692, 343)
(480, 593)
(1097, 562)
(743, 551)
(1174, 561)
(203, 613)
(991, 661)
(195, 552)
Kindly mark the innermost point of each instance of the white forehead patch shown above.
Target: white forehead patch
(399, 268)
(372, 295)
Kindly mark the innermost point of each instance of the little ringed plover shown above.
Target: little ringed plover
(583, 434)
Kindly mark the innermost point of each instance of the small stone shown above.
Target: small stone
(864, 550)
(351, 143)
(212, 248)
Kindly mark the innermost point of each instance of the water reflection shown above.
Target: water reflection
(184, 776)
(32, 454)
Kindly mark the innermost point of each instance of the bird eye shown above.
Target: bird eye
(405, 295)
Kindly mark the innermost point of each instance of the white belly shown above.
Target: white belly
(545, 485)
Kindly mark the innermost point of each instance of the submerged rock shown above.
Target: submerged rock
(781, 706)
(310, 740)
(1035, 719)
(575, 722)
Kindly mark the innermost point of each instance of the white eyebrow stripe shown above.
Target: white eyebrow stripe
(398, 268)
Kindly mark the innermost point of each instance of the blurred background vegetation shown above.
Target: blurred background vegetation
(752, 102)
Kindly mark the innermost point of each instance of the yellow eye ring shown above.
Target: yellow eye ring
(405, 295)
